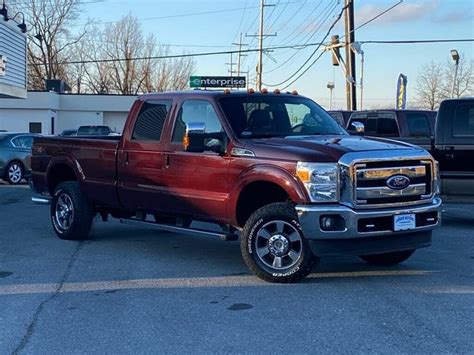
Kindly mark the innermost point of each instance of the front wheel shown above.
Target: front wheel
(273, 245)
(388, 259)
(71, 213)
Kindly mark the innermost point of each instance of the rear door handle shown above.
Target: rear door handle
(167, 161)
(125, 157)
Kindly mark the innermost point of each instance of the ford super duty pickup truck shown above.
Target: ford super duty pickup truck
(272, 167)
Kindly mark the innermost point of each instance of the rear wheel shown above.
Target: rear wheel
(71, 213)
(15, 173)
(273, 245)
(388, 259)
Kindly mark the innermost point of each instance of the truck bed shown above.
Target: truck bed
(93, 158)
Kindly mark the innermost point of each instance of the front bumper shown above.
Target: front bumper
(367, 231)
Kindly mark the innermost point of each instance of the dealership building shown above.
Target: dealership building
(51, 112)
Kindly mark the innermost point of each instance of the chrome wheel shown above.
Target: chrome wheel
(15, 173)
(278, 245)
(64, 212)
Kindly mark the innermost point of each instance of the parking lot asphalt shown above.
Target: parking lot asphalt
(137, 290)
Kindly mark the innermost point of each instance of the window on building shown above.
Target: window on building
(464, 120)
(418, 125)
(35, 127)
(150, 120)
(196, 111)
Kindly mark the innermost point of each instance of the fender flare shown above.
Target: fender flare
(67, 160)
(265, 173)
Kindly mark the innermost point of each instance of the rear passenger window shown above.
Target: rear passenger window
(464, 120)
(150, 120)
(418, 125)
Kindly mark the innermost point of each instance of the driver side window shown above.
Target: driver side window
(195, 111)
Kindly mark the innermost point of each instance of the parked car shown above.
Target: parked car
(411, 126)
(275, 167)
(94, 131)
(68, 132)
(341, 116)
(15, 156)
(3, 130)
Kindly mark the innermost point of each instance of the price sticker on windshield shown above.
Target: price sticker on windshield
(403, 222)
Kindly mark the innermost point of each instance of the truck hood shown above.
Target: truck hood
(321, 148)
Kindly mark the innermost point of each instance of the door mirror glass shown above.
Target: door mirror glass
(357, 128)
(197, 140)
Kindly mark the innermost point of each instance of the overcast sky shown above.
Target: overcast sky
(300, 21)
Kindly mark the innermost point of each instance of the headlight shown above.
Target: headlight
(320, 179)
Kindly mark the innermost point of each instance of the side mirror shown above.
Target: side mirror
(357, 128)
(197, 140)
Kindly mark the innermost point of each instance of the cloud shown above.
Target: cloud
(404, 12)
(454, 16)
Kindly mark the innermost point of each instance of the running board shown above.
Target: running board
(170, 228)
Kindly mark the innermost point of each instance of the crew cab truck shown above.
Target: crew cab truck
(272, 167)
(453, 148)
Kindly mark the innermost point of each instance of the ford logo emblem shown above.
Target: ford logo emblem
(398, 182)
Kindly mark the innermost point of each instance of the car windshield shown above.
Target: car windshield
(262, 116)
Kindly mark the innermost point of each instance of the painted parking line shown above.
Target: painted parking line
(194, 282)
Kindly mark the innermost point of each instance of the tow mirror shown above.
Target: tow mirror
(197, 140)
(357, 128)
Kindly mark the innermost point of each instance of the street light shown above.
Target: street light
(331, 87)
(455, 56)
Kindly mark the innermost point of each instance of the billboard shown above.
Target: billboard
(401, 101)
(13, 76)
(217, 81)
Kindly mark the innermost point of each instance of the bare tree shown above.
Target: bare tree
(126, 63)
(464, 85)
(49, 22)
(430, 84)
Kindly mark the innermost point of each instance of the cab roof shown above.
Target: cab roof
(214, 93)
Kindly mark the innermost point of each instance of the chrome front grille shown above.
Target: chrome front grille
(370, 186)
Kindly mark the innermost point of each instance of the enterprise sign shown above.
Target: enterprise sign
(217, 81)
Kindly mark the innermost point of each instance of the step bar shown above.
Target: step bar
(228, 236)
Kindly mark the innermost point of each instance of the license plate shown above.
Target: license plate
(403, 222)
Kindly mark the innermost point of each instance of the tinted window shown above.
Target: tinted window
(93, 131)
(338, 116)
(464, 120)
(150, 120)
(387, 127)
(376, 123)
(418, 125)
(196, 111)
(269, 116)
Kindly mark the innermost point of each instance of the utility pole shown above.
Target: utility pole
(231, 65)
(239, 54)
(350, 56)
(260, 36)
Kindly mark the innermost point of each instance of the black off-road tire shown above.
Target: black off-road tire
(388, 259)
(83, 212)
(248, 244)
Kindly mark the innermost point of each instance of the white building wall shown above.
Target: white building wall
(115, 120)
(74, 119)
(18, 120)
(69, 111)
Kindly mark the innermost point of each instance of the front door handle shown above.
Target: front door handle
(449, 152)
(167, 161)
(125, 157)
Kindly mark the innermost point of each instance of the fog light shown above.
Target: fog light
(327, 223)
(332, 223)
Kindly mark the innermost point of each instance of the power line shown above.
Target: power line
(311, 56)
(294, 46)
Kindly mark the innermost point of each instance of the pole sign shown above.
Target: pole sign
(217, 81)
(401, 101)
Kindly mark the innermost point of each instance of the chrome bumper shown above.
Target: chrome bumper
(310, 216)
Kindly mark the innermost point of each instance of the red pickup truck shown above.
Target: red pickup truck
(272, 167)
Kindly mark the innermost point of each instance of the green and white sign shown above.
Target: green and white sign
(217, 81)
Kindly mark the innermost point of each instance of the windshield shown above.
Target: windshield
(277, 116)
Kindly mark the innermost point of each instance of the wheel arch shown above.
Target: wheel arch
(62, 168)
(272, 184)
